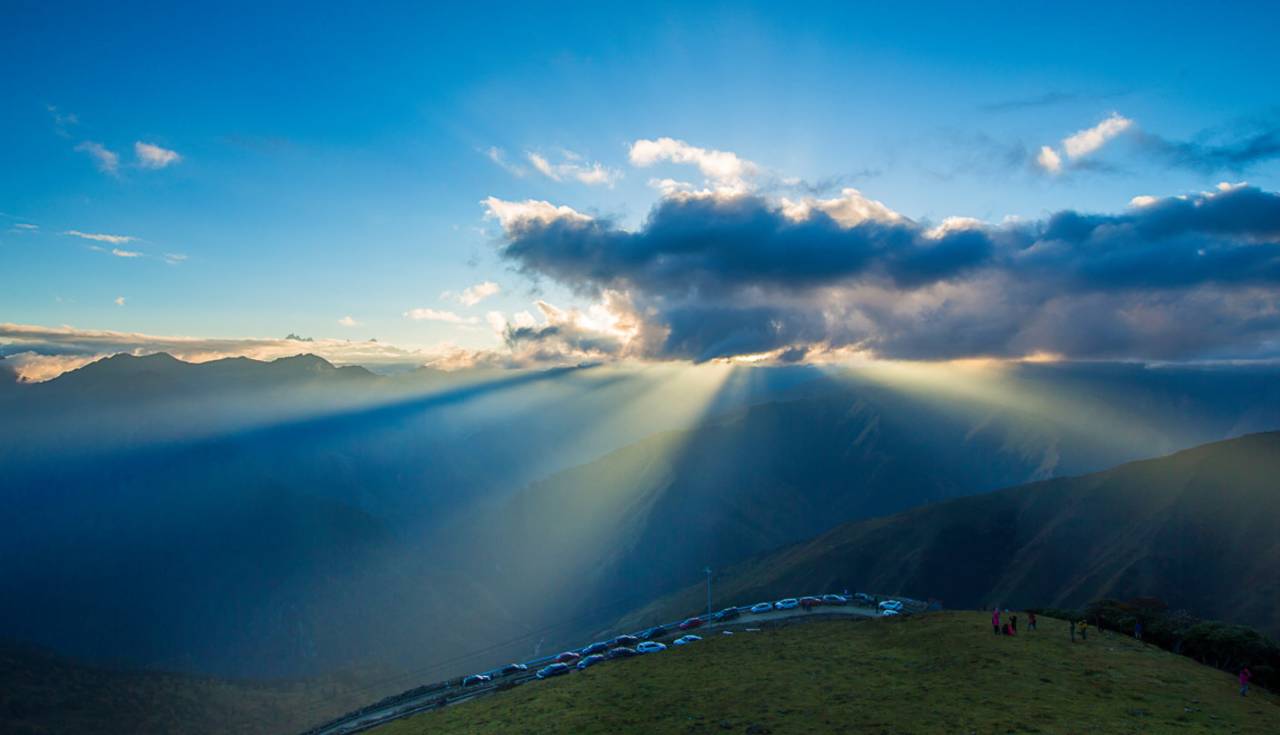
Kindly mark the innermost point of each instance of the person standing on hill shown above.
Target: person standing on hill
(1071, 625)
(1084, 630)
(995, 621)
(1031, 621)
(1245, 676)
(1137, 630)
(1013, 623)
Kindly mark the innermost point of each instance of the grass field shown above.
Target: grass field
(937, 673)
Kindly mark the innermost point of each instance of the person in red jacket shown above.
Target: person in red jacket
(995, 621)
(1245, 676)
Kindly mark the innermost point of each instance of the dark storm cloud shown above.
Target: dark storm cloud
(709, 245)
(1234, 155)
(1047, 99)
(1194, 276)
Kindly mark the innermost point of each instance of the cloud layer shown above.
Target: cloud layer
(712, 275)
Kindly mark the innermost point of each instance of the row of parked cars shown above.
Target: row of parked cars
(625, 646)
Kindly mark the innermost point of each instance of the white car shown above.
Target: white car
(790, 603)
(889, 613)
(685, 640)
(893, 605)
(762, 607)
(650, 647)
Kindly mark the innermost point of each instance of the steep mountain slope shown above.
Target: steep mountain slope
(1199, 529)
(290, 518)
(938, 673)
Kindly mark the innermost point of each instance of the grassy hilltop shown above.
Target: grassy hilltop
(937, 673)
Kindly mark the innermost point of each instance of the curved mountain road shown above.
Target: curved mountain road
(451, 692)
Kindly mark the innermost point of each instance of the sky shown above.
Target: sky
(568, 182)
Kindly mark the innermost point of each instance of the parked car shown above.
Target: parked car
(691, 623)
(893, 605)
(862, 598)
(810, 602)
(790, 603)
(621, 652)
(591, 660)
(654, 632)
(725, 615)
(595, 648)
(650, 647)
(835, 600)
(762, 607)
(624, 640)
(510, 669)
(889, 613)
(555, 669)
(474, 679)
(568, 657)
(685, 640)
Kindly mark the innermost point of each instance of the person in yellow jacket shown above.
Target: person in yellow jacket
(1084, 630)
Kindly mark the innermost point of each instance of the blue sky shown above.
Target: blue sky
(332, 159)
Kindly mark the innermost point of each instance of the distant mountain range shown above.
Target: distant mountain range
(1199, 529)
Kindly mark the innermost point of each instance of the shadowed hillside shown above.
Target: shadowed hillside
(1197, 529)
(45, 694)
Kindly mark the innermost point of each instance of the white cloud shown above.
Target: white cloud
(513, 214)
(1143, 200)
(1049, 160)
(27, 226)
(119, 301)
(151, 155)
(723, 168)
(174, 258)
(125, 253)
(438, 315)
(62, 120)
(591, 174)
(473, 295)
(347, 321)
(106, 160)
(848, 209)
(1086, 141)
(100, 237)
(670, 186)
(543, 166)
(597, 175)
(1083, 142)
(499, 156)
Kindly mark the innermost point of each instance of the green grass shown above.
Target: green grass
(937, 673)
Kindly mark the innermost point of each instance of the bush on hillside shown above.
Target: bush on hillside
(1213, 643)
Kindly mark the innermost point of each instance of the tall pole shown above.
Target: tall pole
(708, 571)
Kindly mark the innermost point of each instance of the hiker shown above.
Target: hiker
(1013, 623)
(1084, 630)
(995, 621)
(1137, 630)
(1245, 676)
(1031, 621)
(1006, 629)
(1071, 625)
